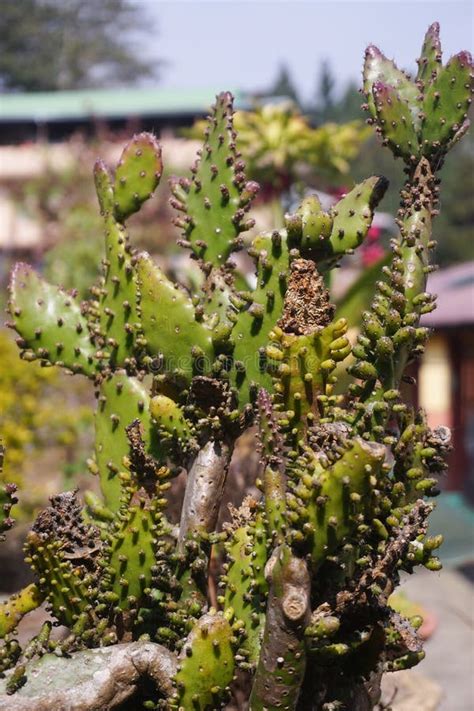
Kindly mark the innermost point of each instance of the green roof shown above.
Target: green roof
(43, 107)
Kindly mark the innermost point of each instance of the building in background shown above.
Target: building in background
(446, 372)
(55, 116)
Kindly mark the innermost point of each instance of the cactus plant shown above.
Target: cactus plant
(308, 567)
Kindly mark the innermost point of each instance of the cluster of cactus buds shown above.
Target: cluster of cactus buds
(7, 500)
(308, 565)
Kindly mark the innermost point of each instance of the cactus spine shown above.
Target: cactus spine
(308, 567)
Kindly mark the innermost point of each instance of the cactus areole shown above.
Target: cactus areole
(302, 617)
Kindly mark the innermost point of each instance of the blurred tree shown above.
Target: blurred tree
(327, 106)
(455, 226)
(283, 86)
(325, 92)
(47, 45)
(348, 108)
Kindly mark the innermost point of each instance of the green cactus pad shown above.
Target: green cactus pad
(206, 664)
(308, 226)
(104, 188)
(63, 550)
(132, 544)
(446, 103)
(218, 298)
(50, 323)
(271, 446)
(391, 325)
(121, 401)
(217, 198)
(416, 231)
(169, 323)
(420, 453)
(377, 68)
(117, 321)
(95, 509)
(429, 63)
(60, 582)
(254, 323)
(305, 370)
(396, 122)
(137, 175)
(352, 216)
(329, 499)
(245, 587)
(17, 606)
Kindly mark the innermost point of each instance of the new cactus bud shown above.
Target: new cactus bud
(137, 175)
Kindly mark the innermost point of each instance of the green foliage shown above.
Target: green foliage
(74, 260)
(40, 52)
(22, 389)
(35, 414)
(178, 378)
(325, 92)
(456, 220)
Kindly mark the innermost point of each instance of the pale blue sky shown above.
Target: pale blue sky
(231, 44)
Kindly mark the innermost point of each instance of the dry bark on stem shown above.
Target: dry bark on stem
(204, 489)
(413, 525)
(282, 660)
(93, 679)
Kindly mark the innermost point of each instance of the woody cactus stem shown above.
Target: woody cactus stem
(282, 661)
(308, 565)
(204, 490)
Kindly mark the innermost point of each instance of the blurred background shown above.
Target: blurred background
(79, 77)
